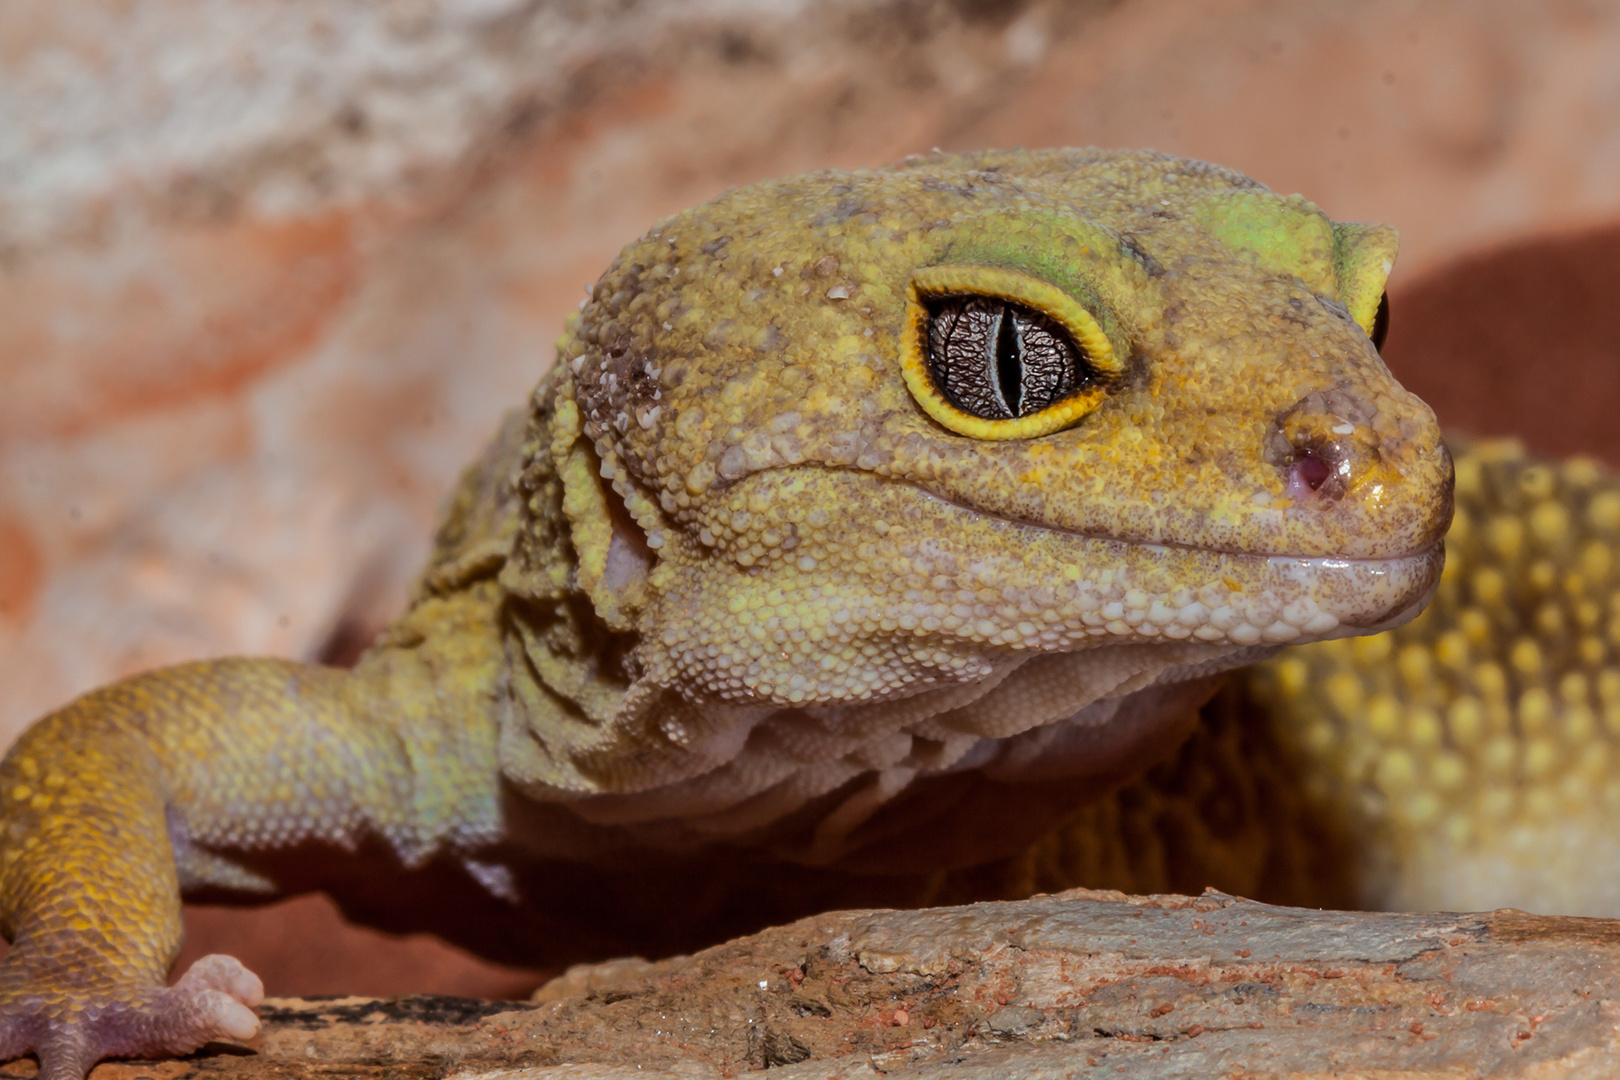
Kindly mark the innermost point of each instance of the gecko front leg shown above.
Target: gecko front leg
(117, 802)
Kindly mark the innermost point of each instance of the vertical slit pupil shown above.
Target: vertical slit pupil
(999, 360)
(1009, 365)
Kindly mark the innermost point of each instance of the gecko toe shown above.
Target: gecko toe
(225, 974)
(70, 1030)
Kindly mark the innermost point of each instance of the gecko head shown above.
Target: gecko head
(876, 431)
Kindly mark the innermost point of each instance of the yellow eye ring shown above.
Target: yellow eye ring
(1082, 327)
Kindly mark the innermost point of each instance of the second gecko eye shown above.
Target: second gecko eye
(1380, 326)
(1000, 360)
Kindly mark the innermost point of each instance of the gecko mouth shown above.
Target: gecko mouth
(1167, 589)
(1420, 552)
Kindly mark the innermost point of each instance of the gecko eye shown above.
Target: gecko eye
(993, 353)
(1380, 326)
(1000, 360)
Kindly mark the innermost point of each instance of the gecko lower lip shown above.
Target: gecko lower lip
(1373, 595)
(1364, 595)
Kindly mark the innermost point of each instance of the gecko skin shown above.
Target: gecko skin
(866, 520)
(1461, 762)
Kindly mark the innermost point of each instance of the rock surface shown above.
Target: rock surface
(1077, 984)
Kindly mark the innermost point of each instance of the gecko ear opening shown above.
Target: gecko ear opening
(629, 560)
(615, 536)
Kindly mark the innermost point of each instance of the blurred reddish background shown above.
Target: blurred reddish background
(270, 272)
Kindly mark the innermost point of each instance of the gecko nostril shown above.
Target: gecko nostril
(1314, 478)
(1321, 444)
(1309, 470)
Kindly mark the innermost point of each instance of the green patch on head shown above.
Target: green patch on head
(1083, 259)
(1285, 235)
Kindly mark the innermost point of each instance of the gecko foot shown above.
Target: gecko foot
(71, 1029)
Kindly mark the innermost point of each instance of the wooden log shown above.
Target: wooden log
(1077, 984)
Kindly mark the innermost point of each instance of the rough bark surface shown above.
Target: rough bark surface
(1078, 984)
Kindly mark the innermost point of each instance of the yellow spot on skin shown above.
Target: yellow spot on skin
(1549, 621)
(1506, 538)
(1549, 523)
(1525, 657)
(1413, 662)
(1540, 805)
(1422, 808)
(1320, 737)
(1596, 561)
(1465, 720)
(1608, 685)
(1489, 680)
(1535, 710)
(1604, 512)
(1383, 716)
(1496, 805)
(1448, 771)
(1572, 688)
(1475, 626)
(1490, 589)
(1499, 755)
(1580, 725)
(1542, 574)
(1397, 771)
(1035, 477)
(1452, 651)
(1423, 731)
(1371, 650)
(1344, 691)
(1540, 756)
(1293, 675)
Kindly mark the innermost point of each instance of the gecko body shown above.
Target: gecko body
(867, 522)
